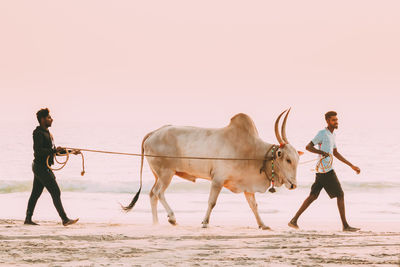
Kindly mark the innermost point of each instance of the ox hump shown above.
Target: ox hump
(245, 123)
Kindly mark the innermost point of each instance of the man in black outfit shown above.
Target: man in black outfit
(43, 147)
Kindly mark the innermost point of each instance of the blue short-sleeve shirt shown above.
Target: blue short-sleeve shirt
(326, 142)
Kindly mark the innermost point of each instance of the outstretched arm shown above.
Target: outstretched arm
(342, 159)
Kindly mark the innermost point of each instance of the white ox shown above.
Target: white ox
(239, 139)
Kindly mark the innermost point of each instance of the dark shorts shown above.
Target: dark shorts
(329, 182)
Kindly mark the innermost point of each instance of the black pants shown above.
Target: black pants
(44, 177)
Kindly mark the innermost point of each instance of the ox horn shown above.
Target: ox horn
(283, 131)
(277, 134)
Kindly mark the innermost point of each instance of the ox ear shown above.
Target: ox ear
(300, 153)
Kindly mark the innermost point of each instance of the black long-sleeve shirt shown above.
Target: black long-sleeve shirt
(43, 146)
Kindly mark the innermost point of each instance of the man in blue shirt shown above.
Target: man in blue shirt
(325, 175)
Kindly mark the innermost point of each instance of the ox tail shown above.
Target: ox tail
(136, 197)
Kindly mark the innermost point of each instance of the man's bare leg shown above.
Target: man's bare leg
(342, 211)
(310, 199)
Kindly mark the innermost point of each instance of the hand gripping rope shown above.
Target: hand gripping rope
(64, 163)
(324, 164)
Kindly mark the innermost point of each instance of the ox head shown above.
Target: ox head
(287, 157)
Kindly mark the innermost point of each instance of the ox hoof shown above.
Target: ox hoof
(172, 221)
(263, 227)
(205, 225)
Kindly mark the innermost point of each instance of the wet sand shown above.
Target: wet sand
(102, 244)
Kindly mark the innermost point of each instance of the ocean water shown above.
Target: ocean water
(112, 179)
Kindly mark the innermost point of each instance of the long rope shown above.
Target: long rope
(74, 150)
(323, 165)
(161, 156)
(64, 163)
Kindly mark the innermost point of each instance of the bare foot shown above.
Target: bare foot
(263, 227)
(350, 229)
(293, 224)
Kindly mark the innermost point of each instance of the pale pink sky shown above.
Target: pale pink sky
(194, 61)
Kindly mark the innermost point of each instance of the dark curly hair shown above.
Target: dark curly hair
(42, 113)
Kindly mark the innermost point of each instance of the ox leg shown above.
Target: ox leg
(171, 215)
(212, 200)
(154, 198)
(251, 199)
(154, 202)
(164, 181)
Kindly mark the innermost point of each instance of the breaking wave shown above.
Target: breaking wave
(201, 186)
(8, 186)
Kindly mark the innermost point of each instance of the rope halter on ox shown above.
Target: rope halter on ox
(274, 148)
(271, 158)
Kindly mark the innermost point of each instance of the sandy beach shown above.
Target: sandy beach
(102, 244)
(111, 72)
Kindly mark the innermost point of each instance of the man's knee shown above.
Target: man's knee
(35, 196)
(56, 195)
(54, 191)
(312, 197)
